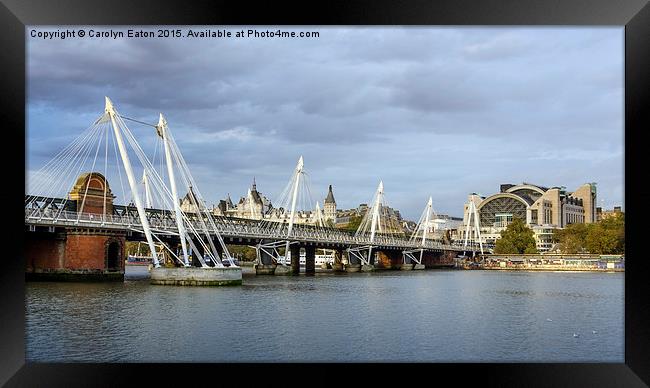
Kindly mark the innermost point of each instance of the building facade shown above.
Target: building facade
(604, 214)
(256, 206)
(330, 206)
(393, 223)
(190, 203)
(543, 209)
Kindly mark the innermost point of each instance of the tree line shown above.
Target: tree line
(604, 237)
(240, 252)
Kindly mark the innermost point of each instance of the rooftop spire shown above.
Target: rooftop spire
(330, 196)
(254, 188)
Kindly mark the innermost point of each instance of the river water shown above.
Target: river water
(421, 316)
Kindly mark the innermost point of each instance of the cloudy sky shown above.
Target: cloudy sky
(438, 112)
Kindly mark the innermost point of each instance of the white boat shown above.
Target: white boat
(319, 259)
(138, 260)
(324, 260)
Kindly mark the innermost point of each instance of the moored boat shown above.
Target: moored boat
(138, 260)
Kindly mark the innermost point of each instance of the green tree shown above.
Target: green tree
(607, 236)
(132, 248)
(242, 252)
(573, 238)
(353, 225)
(517, 238)
(604, 237)
(504, 246)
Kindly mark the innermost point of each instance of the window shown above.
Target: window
(505, 206)
(502, 219)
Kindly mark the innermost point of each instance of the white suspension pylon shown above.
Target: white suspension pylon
(110, 110)
(297, 174)
(161, 130)
(423, 224)
(318, 221)
(371, 220)
(473, 213)
(425, 227)
(376, 208)
(147, 190)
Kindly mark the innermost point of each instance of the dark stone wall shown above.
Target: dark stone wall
(438, 259)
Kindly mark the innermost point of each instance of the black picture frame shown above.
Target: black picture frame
(633, 14)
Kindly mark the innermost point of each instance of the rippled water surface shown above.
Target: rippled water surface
(445, 316)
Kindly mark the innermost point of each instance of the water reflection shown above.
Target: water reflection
(438, 316)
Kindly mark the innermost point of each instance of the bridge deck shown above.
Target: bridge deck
(163, 222)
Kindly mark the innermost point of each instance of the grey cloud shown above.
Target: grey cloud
(432, 111)
(500, 47)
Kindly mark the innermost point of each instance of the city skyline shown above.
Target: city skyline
(480, 107)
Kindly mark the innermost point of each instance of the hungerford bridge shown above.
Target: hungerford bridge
(75, 230)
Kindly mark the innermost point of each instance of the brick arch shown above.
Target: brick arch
(92, 180)
(96, 183)
(92, 194)
(113, 254)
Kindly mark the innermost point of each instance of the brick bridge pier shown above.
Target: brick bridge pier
(78, 254)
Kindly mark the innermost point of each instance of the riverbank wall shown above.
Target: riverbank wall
(552, 262)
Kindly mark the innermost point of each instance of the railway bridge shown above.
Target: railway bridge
(75, 228)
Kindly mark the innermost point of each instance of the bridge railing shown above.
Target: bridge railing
(229, 227)
(53, 216)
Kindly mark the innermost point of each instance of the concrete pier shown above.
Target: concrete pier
(196, 276)
(247, 268)
(265, 265)
(265, 269)
(284, 270)
(337, 265)
(418, 266)
(406, 267)
(352, 267)
(367, 268)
